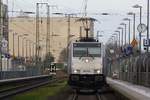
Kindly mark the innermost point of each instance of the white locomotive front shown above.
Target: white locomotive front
(85, 65)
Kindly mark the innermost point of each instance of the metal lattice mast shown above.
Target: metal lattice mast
(37, 31)
(0, 38)
(48, 31)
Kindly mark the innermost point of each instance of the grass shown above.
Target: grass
(42, 93)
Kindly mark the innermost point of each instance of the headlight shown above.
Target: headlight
(86, 60)
(97, 71)
(76, 71)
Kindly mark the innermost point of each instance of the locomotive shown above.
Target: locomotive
(85, 64)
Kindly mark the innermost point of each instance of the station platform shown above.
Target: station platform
(23, 78)
(129, 90)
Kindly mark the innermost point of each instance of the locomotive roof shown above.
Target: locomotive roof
(87, 40)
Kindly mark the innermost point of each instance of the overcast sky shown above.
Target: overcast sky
(116, 8)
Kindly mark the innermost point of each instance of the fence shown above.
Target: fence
(31, 71)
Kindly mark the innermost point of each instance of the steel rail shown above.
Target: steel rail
(17, 90)
(98, 96)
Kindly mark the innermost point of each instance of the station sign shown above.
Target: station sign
(6, 56)
(141, 28)
(129, 50)
(146, 42)
(134, 43)
(4, 43)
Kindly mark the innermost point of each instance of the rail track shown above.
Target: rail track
(95, 96)
(5, 93)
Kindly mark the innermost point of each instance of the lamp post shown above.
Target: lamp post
(122, 35)
(125, 31)
(140, 7)
(131, 13)
(119, 36)
(147, 23)
(129, 34)
(116, 36)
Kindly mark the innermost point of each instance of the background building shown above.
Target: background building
(3, 35)
(25, 26)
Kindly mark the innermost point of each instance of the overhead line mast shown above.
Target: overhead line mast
(85, 8)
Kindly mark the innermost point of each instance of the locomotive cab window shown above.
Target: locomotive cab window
(87, 49)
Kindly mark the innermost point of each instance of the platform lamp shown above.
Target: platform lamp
(140, 7)
(119, 36)
(122, 35)
(116, 36)
(129, 34)
(133, 14)
(125, 31)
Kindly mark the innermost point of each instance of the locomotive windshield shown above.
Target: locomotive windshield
(87, 49)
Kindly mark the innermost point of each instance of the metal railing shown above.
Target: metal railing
(136, 77)
(16, 73)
